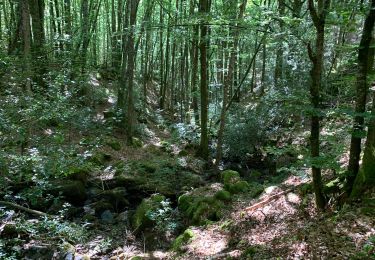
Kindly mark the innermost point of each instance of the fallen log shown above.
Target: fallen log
(31, 211)
(267, 200)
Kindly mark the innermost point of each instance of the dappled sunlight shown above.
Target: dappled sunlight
(207, 242)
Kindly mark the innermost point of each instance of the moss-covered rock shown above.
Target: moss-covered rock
(202, 205)
(223, 195)
(233, 182)
(182, 240)
(141, 218)
(73, 191)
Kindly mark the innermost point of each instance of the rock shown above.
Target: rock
(141, 219)
(107, 217)
(233, 182)
(116, 197)
(202, 204)
(101, 206)
(73, 191)
(33, 250)
(182, 240)
(68, 251)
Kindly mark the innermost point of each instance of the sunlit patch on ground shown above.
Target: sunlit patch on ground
(207, 242)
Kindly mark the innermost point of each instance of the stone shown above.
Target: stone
(73, 191)
(141, 219)
(107, 217)
(233, 182)
(202, 205)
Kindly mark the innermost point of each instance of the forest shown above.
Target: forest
(187, 129)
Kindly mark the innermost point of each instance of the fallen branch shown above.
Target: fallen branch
(269, 199)
(31, 211)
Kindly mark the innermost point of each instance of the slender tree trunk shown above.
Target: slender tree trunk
(360, 109)
(130, 115)
(204, 9)
(194, 66)
(280, 52)
(318, 16)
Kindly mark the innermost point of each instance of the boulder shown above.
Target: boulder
(204, 204)
(73, 191)
(233, 182)
(141, 219)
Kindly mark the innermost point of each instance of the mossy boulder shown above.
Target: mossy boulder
(182, 240)
(141, 219)
(73, 191)
(223, 195)
(233, 182)
(203, 204)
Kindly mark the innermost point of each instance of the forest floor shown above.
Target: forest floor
(283, 224)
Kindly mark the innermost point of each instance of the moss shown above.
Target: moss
(233, 182)
(223, 195)
(136, 142)
(256, 190)
(100, 158)
(141, 219)
(113, 143)
(182, 240)
(229, 176)
(201, 205)
(80, 173)
(238, 187)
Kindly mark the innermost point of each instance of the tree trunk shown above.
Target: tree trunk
(360, 109)
(204, 9)
(130, 50)
(318, 16)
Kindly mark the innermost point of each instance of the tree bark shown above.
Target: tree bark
(204, 9)
(318, 16)
(360, 109)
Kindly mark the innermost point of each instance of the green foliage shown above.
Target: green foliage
(164, 217)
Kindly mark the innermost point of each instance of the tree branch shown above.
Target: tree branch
(31, 211)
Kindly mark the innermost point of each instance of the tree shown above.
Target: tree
(318, 16)
(355, 182)
(204, 9)
(361, 98)
(131, 56)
